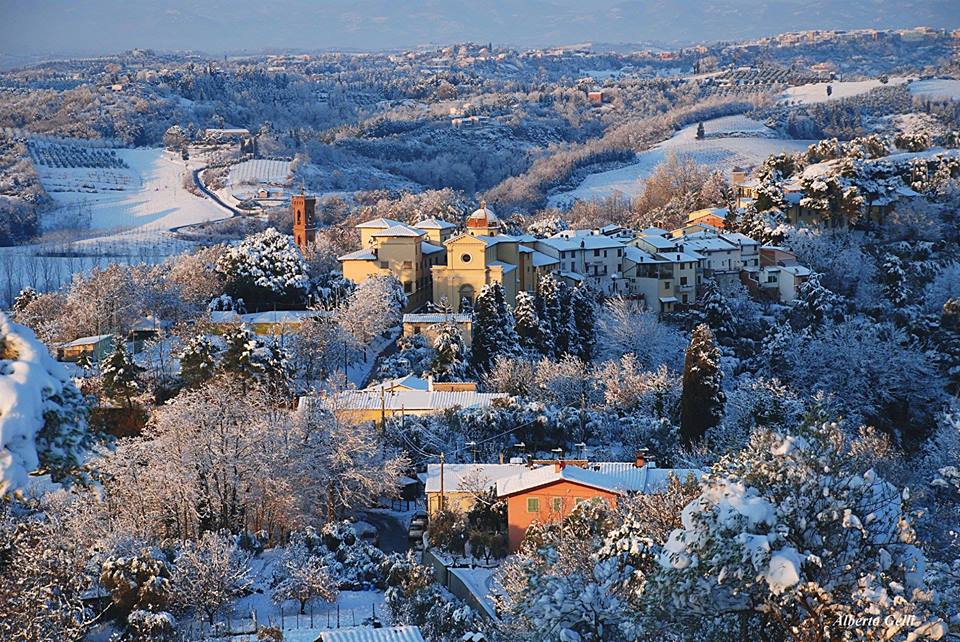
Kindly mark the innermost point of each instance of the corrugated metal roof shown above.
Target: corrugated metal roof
(453, 474)
(369, 634)
(411, 400)
(437, 317)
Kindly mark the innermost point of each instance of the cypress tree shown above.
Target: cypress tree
(527, 323)
(701, 405)
(585, 320)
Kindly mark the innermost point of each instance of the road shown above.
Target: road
(393, 534)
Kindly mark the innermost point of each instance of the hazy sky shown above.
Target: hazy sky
(30, 27)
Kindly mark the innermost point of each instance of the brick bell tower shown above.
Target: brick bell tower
(304, 221)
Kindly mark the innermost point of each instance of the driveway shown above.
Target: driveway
(393, 534)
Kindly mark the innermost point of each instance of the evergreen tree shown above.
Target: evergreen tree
(701, 404)
(527, 323)
(25, 297)
(450, 360)
(701, 134)
(254, 360)
(584, 304)
(493, 333)
(566, 335)
(715, 312)
(548, 313)
(894, 280)
(198, 361)
(815, 304)
(121, 376)
(238, 356)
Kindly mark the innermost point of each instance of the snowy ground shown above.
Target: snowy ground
(731, 140)
(151, 202)
(479, 581)
(817, 92)
(936, 89)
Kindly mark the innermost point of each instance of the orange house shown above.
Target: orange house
(549, 493)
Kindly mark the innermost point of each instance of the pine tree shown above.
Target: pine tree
(527, 323)
(894, 280)
(238, 356)
(548, 312)
(815, 303)
(198, 361)
(450, 360)
(701, 134)
(121, 375)
(715, 311)
(701, 405)
(255, 360)
(493, 333)
(25, 297)
(584, 304)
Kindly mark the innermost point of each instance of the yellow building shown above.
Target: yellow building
(462, 483)
(482, 256)
(393, 248)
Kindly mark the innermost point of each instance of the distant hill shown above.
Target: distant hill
(216, 26)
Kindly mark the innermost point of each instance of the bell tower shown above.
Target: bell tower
(303, 209)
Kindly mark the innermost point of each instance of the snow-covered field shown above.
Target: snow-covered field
(260, 172)
(817, 92)
(151, 202)
(731, 140)
(936, 89)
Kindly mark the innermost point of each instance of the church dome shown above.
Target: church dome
(483, 217)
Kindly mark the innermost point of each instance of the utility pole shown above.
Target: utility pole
(443, 501)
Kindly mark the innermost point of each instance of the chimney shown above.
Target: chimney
(641, 459)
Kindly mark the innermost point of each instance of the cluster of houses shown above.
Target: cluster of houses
(439, 264)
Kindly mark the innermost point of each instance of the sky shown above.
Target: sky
(43, 27)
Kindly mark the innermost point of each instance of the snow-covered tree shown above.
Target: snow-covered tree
(302, 575)
(257, 360)
(43, 417)
(373, 308)
(815, 304)
(121, 374)
(701, 404)
(139, 581)
(947, 341)
(624, 327)
(894, 280)
(794, 533)
(715, 311)
(451, 359)
(265, 269)
(584, 311)
(528, 325)
(25, 297)
(198, 361)
(208, 573)
(414, 356)
(493, 328)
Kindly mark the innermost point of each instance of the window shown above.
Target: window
(579, 500)
(466, 258)
(666, 285)
(557, 504)
(407, 265)
(596, 252)
(683, 280)
(384, 265)
(533, 505)
(619, 253)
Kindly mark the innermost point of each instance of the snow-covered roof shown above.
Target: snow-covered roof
(614, 477)
(796, 270)
(719, 212)
(453, 474)
(370, 634)
(573, 276)
(743, 239)
(150, 322)
(279, 316)
(668, 299)
(711, 243)
(359, 255)
(637, 255)
(653, 231)
(540, 259)
(400, 229)
(408, 382)
(437, 317)
(507, 267)
(414, 400)
(378, 223)
(591, 242)
(433, 224)
(429, 248)
(86, 341)
(658, 242)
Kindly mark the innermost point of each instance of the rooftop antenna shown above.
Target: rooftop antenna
(472, 445)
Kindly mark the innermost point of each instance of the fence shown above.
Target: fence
(244, 629)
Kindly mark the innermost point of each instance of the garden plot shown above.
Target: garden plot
(261, 172)
(729, 141)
